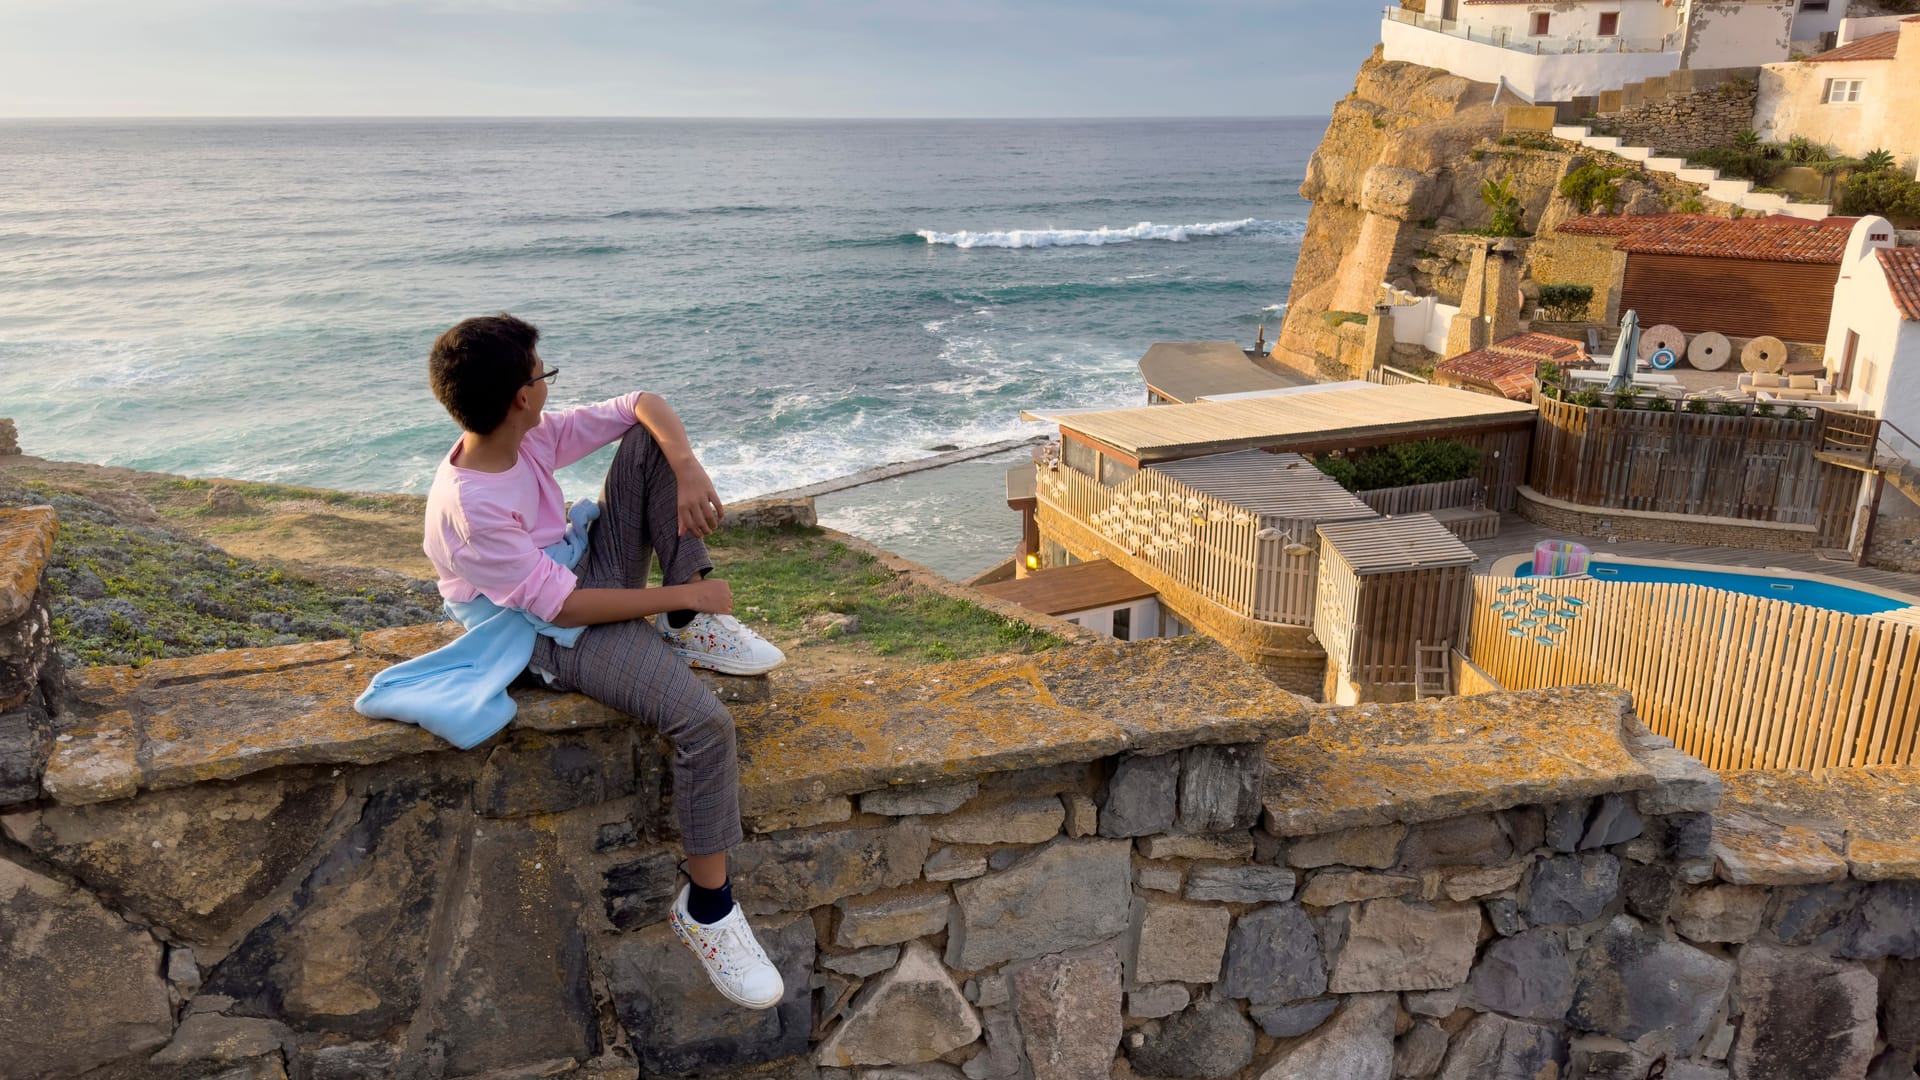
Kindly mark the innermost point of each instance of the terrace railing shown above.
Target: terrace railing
(1424, 498)
(1503, 38)
(1740, 682)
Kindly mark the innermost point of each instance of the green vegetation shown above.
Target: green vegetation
(170, 489)
(1594, 187)
(1884, 192)
(1528, 140)
(1499, 196)
(1688, 203)
(1429, 461)
(1335, 318)
(1566, 303)
(781, 577)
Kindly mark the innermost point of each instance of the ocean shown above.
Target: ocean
(255, 299)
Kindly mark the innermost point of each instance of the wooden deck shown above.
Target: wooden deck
(1518, 535)
(1064, 590)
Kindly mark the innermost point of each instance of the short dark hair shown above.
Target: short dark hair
(477, 367)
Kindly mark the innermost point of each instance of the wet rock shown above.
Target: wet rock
(1526, 975)
(1140, 799)
(1720, 913)
(1220, 787)
(1153, 1002)
(911, 1014)
(955, 864)
(1631, 982)
(1330, 887)
(891, 920)
(1357, 1044)
(1374, 848)
(1805, 1016)
(1175, 942)
(639, 892)
(1393, 945)
(80, 989)
(1473, 840)
(1493, 1047)
(809, 870)
(1211, 1039)
(1418, 1053)
(1886, 922)
(1291, 1021)
(1240, 884)
(1068, 1008)
(1572, 888)
(1273, 956)
(1022, 821)
(1070, 893)
(678, 1023)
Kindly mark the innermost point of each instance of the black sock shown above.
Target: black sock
(678, 619)
(709, 906)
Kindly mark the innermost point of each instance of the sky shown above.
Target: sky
(719, 58)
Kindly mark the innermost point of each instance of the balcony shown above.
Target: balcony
(1539, 69)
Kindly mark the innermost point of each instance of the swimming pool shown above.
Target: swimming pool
(1793, 589)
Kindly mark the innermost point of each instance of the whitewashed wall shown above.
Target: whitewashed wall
(1886, 366)
(1737, 33)
(1640, 21)
(1790, 103)
(1419, 320)
(1544, 77)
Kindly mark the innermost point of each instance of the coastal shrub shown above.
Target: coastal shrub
(1877, 159)
(1586, 398)
(1883, 192)
(1698, 406)
(1335, 318)
(1730, 408)
(1688, 203)
(1429, 461)
(1658, 403)
(1528, 140)
(1566, 303)
(1626, 399)
(1593, 187)
(1499, 196)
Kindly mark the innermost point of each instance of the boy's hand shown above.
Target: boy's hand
(700, 509)
(710, 595)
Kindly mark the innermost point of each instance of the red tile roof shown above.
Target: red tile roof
(1768, 239)
(1876, 47)
(1902, 267)
(1604, 225)
(1508, 365)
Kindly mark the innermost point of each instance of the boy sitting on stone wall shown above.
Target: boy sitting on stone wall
(494, 512)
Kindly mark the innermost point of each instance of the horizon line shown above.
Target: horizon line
(630, 116)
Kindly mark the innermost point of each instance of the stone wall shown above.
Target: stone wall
(1895, 544)
(31, 681)
(1131, 860)
(1665, 528)
(1686, 122)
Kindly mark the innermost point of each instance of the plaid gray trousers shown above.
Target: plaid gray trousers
(627, 666)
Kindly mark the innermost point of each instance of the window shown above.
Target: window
(1123, 623)
(1843, 91)
(1813, 5)
(1541, 20)
(1609, 23)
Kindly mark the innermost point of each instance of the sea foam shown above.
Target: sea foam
(1038, 238)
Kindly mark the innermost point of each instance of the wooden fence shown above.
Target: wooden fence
(1424, 498)
(1393, 376)
(1759, 468)
(1740, 682)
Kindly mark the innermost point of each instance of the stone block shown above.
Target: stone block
(1417, 1054)
(639, 892)
(1240, 884)
(1220, 787)
(1274, 956)
(1068, 1008)
(1330, 887)
(1175, 942)
(1682, 785)
(1526, 976)
(79, 987)
(26, 734)
(1630, 982)
(1614, 821)
(1689, 836)
(1356, 1043)
(194, 860)
(1473, 884)
(1375, 848)
(211, 1039)
(1005, 1055)
(1142, 797)
(1223, 847)
(1292, 1021)
(1474, 840)
(830, 811)
(862, 963)
(1804, 914)
(1083, 816)
(1393, 945)
(1070, 893)
(955, 864)
(677, 1023)
(891, 920)
(1022, 821)
(348, 1061)
(537, 773)
(1886, 922)
(1900, 1003)
(99, 768)
(931, 798)
(1493, 1047)
(1153, 1002)
(1209, 1040)
(1748, 850)
(1566, 824)
(1435, 1003)
(808, 870)
(1572, 888)
(1648, 889)
(1726, 913)
(914, 1013)
(1164, 879)
(1804, 1016)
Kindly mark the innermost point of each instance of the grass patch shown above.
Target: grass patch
(178, 495)
(781, 577)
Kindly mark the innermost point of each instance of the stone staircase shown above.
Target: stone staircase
(1738, 192)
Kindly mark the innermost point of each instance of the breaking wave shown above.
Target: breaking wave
(1146, 230)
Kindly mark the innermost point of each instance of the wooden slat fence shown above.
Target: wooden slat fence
(1393, 376)
(1740, 682)
(1423, 498)
(1760, 468)
(1195, 538)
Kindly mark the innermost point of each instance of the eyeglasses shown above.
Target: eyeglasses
(546, 378)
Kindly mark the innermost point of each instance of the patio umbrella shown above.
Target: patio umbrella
(1626, 352)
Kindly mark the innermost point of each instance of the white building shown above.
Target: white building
(1873, 337)
(1856, 98)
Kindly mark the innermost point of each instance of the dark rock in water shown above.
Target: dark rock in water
(943, 447)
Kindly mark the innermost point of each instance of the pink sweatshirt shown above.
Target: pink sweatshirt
(485, 530)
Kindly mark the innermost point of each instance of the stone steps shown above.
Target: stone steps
(1738, 192)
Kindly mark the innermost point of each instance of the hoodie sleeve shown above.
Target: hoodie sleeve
(498, 558)
(571, 434)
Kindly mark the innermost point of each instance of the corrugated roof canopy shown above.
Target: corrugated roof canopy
(1407, 542)
(1063, 590)
(1185, 370)
(1352, 416)
(1278, 485)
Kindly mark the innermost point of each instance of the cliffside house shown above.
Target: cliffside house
(1856, 98)
(1096, 594)
(1560, 51)
(1743, 278)
(1873, 336)
(1506, 368)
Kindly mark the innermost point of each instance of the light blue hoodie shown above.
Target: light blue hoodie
(459, 691)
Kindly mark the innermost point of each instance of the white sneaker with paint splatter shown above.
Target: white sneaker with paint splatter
(723, 643)
(731, 954)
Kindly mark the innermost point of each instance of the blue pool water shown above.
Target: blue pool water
(1795, 590)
